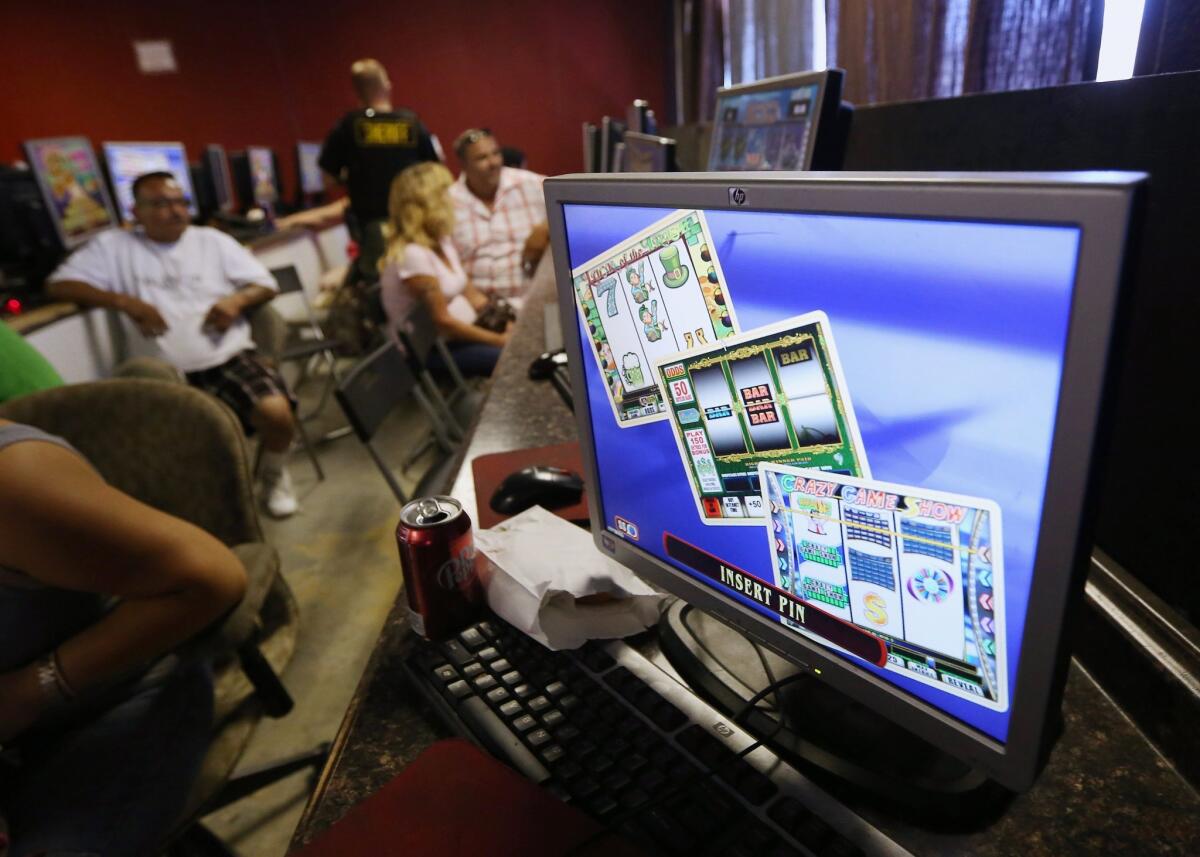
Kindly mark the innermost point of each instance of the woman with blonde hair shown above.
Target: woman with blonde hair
(421, 264)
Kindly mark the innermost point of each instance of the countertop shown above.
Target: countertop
(1105, 790)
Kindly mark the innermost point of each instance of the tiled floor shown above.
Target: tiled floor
(339, 556)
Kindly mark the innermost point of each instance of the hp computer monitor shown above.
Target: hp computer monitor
(126, 161)
(264, 185)
(647, 153)
(854, 416)
(311, 180)
(68, 175)
(773, 124)
(216, 164)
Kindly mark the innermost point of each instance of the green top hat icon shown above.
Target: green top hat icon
(675, 274)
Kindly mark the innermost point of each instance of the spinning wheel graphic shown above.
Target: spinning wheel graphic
(930, 585)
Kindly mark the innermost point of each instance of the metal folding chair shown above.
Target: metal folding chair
(381, 382)
(316, 346)
(418, 334)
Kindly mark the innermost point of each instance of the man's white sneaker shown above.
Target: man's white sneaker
(278, 496)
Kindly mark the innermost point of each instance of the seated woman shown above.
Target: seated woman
(96, 755)
(422, 264)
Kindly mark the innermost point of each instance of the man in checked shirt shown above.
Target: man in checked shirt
(500, 228)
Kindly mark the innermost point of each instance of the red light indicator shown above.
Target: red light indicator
(13, 306)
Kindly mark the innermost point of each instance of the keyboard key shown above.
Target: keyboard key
(755, 787)
(667, 717)
(568, 733)
(459, 689)
(552, 754)
(842, 848)
(510, 708)
(524, 723)
(597, 659)
(568, 770)
(500, 666)
(599, 763)
(601, 805)
(616, 780)
(569, 702)
(473, 638)
(488, 654)
(511, 678)
(497, 695)
(488, 630)
(553, 718)
(446, 673)
(556, 688)
(583, 788)
(521, 691)
(473, 669)
(538, 703)
(634, 762)
(652, 780)
(485, 682)
(634, 798)
(539, 737)
(457, 653)
(668, 831)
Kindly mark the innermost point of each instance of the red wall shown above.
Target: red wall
(270, 72)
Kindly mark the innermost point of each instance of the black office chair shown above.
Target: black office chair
(381, 382)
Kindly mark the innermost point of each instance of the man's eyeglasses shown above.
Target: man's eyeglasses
(163, 203)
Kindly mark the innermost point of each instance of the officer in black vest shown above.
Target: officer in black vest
(366, 150)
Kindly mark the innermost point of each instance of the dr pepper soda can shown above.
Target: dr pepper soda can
(437, 556)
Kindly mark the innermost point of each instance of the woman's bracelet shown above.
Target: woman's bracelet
(53, 684)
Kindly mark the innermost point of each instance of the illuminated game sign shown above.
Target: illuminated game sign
(775, 394)
(922, 570)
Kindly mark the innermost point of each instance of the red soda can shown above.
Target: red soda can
(437, 556)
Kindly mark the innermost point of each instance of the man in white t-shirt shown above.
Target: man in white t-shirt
(499, 217)
(185, 289)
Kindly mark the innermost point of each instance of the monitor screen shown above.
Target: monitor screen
(841, 417)
(217, 165)
(263, 184)
(771, 124)
(69, 177)
(647, 153)
(127, 161)
(311, 181)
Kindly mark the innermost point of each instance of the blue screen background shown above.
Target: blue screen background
(951, 337)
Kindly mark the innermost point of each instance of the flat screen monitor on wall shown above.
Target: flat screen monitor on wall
(824, 409)
(217, 166)
(774, 124)
(264, 183)
(311, 180)
(72, 186)
(128, 160)
(647, 153)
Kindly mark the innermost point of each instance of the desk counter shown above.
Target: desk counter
(1106, 790)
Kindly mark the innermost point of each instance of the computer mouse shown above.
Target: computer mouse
(544, 365)
(540, 485)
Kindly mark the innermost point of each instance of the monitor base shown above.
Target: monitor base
(840, 744)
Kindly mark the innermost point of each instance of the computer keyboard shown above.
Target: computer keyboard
(606, 730)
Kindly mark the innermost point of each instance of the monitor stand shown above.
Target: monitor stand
(842, 745)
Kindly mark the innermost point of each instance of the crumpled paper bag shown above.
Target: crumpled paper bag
(540, 565)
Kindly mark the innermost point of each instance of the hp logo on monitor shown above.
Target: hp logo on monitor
(737, 196)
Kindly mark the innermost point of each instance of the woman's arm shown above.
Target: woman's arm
(62, 525)
(430, 292)
(476, 298)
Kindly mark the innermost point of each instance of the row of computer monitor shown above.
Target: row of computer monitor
(79, 201)
(769, 124)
